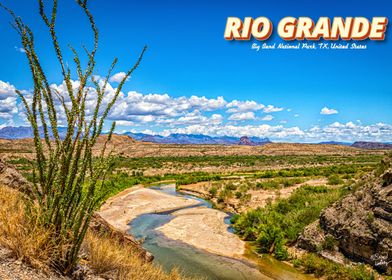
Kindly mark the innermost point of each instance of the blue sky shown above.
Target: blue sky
(188, 56)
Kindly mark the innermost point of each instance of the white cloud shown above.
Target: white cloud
(328, 111)
(242, 116)
(236, 106)
(162, 105)
(349, 132)
(8, 106)
(165, 114)
(267, 118)
(264, 130)
(272, 109)
(124, 123)
(196, 117)
(6, 90)
(21, 50)
(118, 77)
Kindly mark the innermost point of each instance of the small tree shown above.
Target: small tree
(68, 181)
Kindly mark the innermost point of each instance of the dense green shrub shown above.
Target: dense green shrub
(213, 191)
(277, 223)
(334, 180)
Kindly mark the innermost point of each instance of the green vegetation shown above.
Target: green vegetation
(195, 177)
(320, 267)
(67, 182)
(242, 161)
(278, 183)
(342, 169)
(280, 223)
(334, 179)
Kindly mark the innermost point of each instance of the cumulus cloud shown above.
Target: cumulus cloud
(125, 123)
(236, 106)
(165, 114)
(162, 105)
(118, 77)
(267, 118)
(272, 109)
(328, 111)
(196, 117)
(6, 90)
(349, 132)
(242, 116)
(264, 130)
(8, 106)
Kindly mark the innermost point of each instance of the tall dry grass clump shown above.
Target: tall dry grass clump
(68, 182)
(23, 234)
(106, 256)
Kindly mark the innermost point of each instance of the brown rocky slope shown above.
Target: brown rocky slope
(361, 223)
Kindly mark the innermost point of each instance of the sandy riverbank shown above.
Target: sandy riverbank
(200, 227)
(204, 228)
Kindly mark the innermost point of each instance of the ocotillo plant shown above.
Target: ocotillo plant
(68, 180)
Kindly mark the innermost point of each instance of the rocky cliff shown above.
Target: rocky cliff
(361, 223)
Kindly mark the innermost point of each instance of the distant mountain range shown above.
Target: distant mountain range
(20, 132)
(10, 132)
(372, 145)
(336, 143)
(195, 139)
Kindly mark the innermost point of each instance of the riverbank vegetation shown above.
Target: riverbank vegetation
(278, 224)
(320, 267)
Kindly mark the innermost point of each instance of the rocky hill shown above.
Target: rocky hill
(372, 145)
(361, 223)
(253, 141)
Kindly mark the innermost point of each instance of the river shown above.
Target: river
(196, 262)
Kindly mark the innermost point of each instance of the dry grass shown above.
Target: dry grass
(108, 258)
(29, 241)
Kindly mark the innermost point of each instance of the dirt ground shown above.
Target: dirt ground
(259, 198)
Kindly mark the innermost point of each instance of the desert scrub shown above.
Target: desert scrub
(240, 160)
(320, 267)
(213, 191)
(278, 183)
(329, 243)
(279, 223)
(326, 171)
(334, 180)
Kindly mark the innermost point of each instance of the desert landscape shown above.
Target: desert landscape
(144, 140)
(209, 196)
